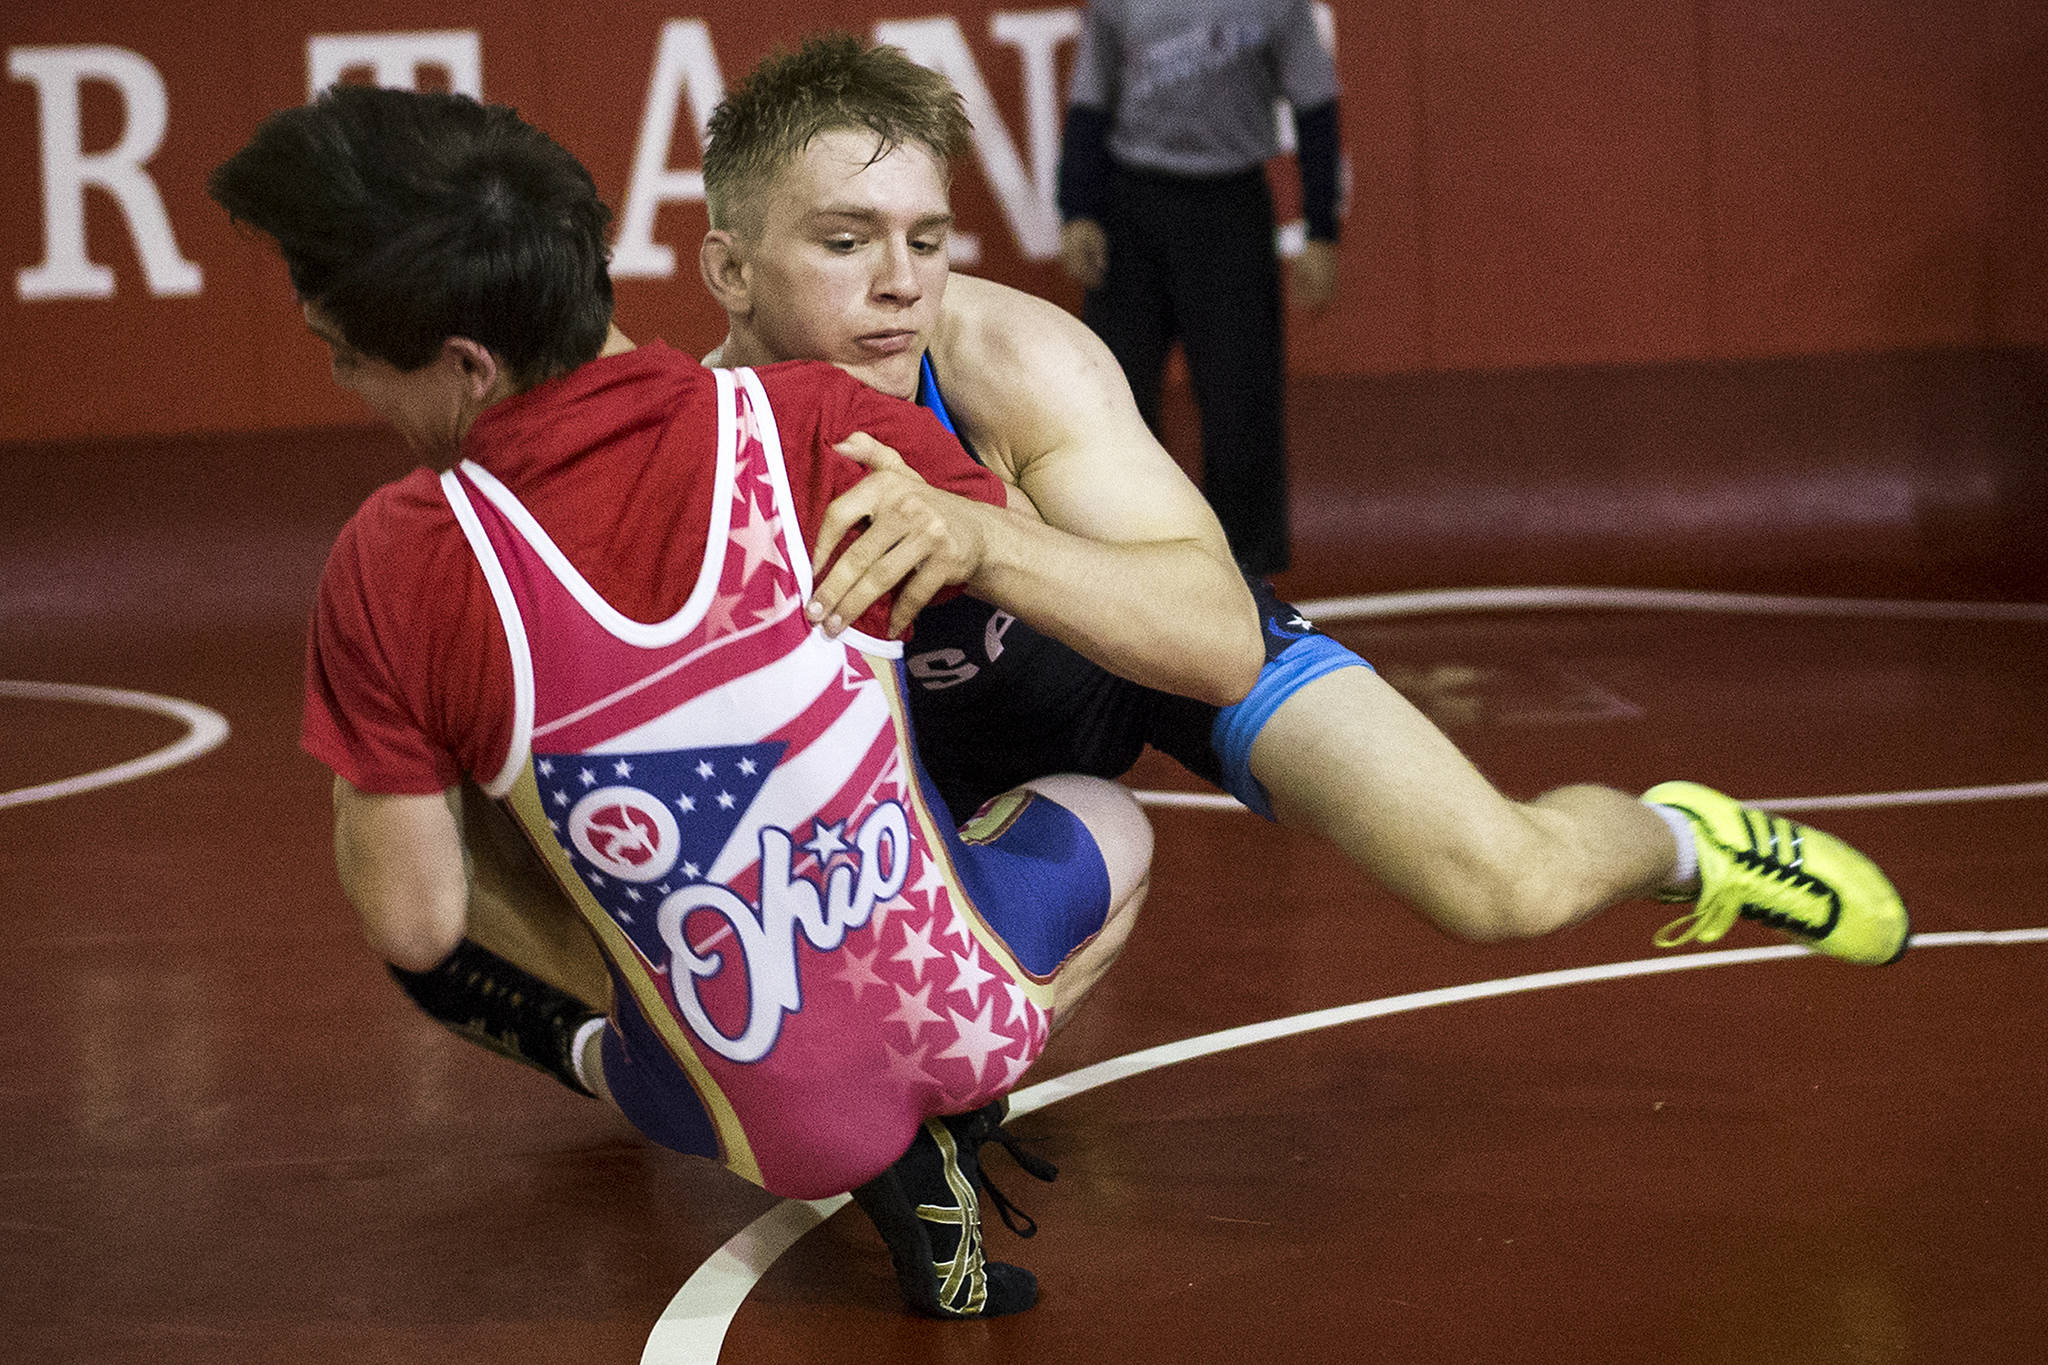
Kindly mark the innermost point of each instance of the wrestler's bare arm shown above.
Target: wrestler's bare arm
(400, 859)
(1134, 571)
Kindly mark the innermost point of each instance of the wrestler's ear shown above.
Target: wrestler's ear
(474, 365)
(722, 261)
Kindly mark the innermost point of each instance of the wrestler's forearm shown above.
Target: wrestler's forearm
(1167, 614)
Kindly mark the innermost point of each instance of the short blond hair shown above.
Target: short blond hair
(832, 81)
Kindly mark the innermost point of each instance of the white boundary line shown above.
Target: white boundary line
(1933, 796)
(1436, 601)
(692, 1329)
(205, 730)
(1381, 606)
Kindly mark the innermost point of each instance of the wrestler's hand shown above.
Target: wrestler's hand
(917, 539)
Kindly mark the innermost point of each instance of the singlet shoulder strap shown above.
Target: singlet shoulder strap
(785, 504)
(929, 397)
(647, 634)
(515, 631)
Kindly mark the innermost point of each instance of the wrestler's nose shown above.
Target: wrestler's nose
(896, 275)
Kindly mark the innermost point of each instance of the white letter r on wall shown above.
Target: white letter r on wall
(68, 169)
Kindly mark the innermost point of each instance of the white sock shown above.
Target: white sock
(576, 1049)
(1685, 873)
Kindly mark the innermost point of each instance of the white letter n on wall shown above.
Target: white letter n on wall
(1026, 199)
(68, 169)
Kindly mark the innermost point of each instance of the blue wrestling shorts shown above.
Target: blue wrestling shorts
(1035, 875)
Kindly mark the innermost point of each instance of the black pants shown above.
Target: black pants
(1193, 260)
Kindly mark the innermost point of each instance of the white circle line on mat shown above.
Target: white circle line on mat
(692, 1329)
(205, 730)
(1441, 601)
(1932, 796)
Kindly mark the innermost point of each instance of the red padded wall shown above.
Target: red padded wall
(1534, 185)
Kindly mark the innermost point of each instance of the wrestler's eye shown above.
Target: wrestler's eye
(926, 246)
(842, 245)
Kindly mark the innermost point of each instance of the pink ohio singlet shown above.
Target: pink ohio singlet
(731, 800)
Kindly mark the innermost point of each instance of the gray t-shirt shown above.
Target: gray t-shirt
(1190, 84)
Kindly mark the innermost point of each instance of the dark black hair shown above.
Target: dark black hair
(409, 217)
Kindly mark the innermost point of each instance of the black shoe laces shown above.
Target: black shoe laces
(1033, 1165)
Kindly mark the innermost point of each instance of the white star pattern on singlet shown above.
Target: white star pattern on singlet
(969, 975)
(826, 840)
(917, 948)
(994, 1026)
(946, 1000)
(857, 971)
(719, 620)
(976, 1040)
(783, 605)
(960, 933)
(930, 882)
(757, 537)
(913, 1009)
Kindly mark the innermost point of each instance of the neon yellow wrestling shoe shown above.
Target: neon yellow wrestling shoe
(1792, 877)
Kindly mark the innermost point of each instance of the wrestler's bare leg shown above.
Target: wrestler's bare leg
(1348, 758)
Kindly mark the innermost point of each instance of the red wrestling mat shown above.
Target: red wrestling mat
(227, 1138)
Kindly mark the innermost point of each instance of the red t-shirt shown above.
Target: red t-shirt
(408, 675)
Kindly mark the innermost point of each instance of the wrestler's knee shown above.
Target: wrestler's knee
(1082, 972)
(1115, 822)
(1500, 910)
(1520, 883)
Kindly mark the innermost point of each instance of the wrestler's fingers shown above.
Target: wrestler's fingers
(914, 596)
(864, 449)
(842, 516)
(829, 594)
(860, 502)
(899, 535)
(902, 560)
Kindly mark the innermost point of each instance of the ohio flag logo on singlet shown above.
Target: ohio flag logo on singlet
(638, 826)
(646, 834)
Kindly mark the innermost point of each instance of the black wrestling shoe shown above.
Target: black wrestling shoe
(482, 997)
(926, 1208)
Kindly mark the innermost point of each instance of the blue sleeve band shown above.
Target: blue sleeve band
(1236, 727)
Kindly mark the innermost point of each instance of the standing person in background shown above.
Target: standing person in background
(1169, 222)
